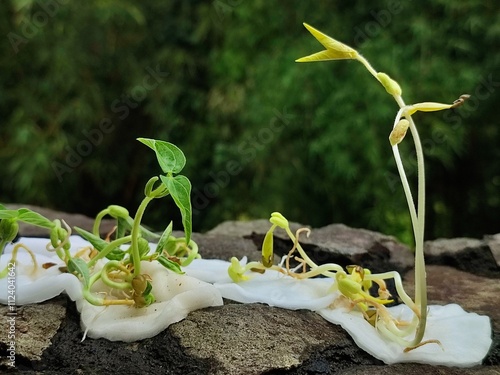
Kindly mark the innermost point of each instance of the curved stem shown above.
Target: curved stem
(136, 233)
(406, 188)
(97, 301)
(301, 251)
(324, 269)
(367, 65)
(3, 245)
(97, 221)
(110, 247)
(399, 287)
(308, 260)
(193, 253)
(111, 283)
(13, 259)
(420, 276)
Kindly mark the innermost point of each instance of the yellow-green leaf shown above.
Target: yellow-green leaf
(335, 50)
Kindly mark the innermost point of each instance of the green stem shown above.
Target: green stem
(97, 221)
(151, 236)
(136, 233)
(110, 247)
(123, 285)
(193, 253)
(136, 225)
(367, 65)
(3, 244)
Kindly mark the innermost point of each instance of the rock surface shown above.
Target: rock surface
(257, 339)
(466, 254)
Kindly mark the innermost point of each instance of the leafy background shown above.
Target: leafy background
(260, 132)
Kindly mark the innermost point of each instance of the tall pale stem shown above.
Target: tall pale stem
(419, 227)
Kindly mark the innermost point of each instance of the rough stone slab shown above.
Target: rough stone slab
(272, 339)
(466, 254)
(419, 370)
(225, 247)
(449, 285)
(35, 325)
(335, 243)
(474, 293)
(255, 339)
(247, 228)
(363, 247)
(494, 244)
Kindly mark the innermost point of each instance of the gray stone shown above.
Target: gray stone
(474, 293)
(494, 244)
(273, 339)
(225, 247)
(336, 243)
(247, 228)
(363, 247)
(466, 254)
(255, 338)
(35, 325)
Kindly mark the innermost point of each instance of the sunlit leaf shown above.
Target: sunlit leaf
(99, 244)
(34, 218)
(164, 238)
(167, 263)
(180, 190)
(170, 157)
(8, 214)
(78, 266)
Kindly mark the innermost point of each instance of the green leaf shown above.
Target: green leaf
(170, 157)
(9, 214)
(99, 244)
(164, 238)
(172, 266)
(149, 288)
(9, 228)
(146, 233)
(34, 218)
(78, 266)
(121, 227)
(180, 190)
(96, 241)
(26, 215)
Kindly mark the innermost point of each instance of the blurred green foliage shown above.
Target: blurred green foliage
(82, 80)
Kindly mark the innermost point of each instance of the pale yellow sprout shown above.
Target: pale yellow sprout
(390, 85)
(335, 50)
(399, 132)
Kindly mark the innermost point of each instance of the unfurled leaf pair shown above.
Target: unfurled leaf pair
(401, 125)
(336, 50)
(172, 160)
(9, 226)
